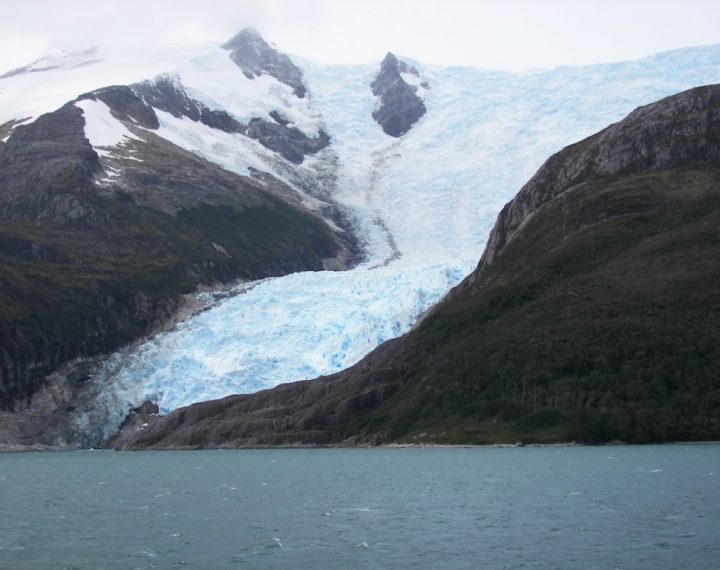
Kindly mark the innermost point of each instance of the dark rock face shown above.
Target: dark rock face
(400, 106)
(167, 94)
(254, 56)
(593, 316)
(46, 172)
(125, 105)
(288, 141)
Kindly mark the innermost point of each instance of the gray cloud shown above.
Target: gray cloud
(501, 34)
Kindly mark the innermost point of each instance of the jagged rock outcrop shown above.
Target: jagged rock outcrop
(166, 93)
(592, 317)
(400, 105)
(125, 105)
(289, 141)
(255, 56)
(35, 346)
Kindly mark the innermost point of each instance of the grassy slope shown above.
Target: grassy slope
(598, 323)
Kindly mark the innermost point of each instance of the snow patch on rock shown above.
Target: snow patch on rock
(102, 129)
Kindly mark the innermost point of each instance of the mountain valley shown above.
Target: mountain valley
(237, 221)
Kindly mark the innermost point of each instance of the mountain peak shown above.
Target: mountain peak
(251, 53)
(243, 37)
(390, 60)
(391, 64)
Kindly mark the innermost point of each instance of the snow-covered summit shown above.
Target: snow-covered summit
(249, 50)
(59, 58)
(207, 102)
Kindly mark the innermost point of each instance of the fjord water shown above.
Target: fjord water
(563, 508)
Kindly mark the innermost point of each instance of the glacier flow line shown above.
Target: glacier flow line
(380, 163)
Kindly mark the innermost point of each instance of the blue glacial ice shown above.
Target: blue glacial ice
(423, 204)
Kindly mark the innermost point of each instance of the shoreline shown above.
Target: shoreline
(41, 448)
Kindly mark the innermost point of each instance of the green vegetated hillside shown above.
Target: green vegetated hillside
(593, 316)
(599, 323)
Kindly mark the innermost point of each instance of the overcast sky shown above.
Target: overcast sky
(498, 34)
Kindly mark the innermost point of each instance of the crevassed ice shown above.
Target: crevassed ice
(424, 205)
(300, 326)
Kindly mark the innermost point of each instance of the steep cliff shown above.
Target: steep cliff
(592, 316)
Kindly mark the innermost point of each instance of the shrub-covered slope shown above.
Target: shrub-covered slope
(593, 315)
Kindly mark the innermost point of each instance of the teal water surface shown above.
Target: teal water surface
(634, 507)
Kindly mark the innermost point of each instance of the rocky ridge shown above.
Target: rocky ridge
(276, 133)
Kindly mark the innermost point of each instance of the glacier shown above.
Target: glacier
(422, 204)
